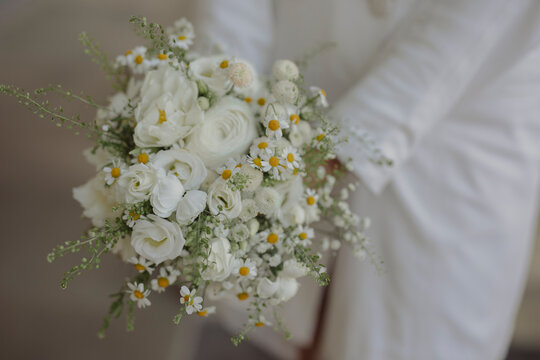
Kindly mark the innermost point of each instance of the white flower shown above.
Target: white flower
(211, 72)
(192, 302)
(131, 217)
(141, 264)
(185, 165)
(204, 312)
(113, 172)
(285, 70)
(135, 60)
(181, 34)
(228, 129)
(157, 239)
(260, 321)
(167, 276)
(274, 260)
(268, 200)
(293, 269)
(97, 200)
(266, 288)
(220, 260)
(321, 96)
(240, 232)
(303, 235)
(291, 157)
(254, 178)
(190, 206)
(138, 294)
(224, 200)
(245, 269)
(240, 74)
(166, 195)
(231, 167)
(253, 226)
(288, 287)
(273, 165)
(301, 134)
(311, 197)
(168, 110)
(285, 91)
(261, 146)
(275, 122)
(137, 183)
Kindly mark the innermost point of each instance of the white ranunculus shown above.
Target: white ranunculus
(293, 269)
(166, 195)
(137, 183)
(227, 131)
(96, 200)
(185, 165)
(157, 239)
(268, 200)
(223, 200)
(168, 109)
(220, 260)
(190, 206)
(285, 70)
(285, 91)
(267, 288)
(207, 71)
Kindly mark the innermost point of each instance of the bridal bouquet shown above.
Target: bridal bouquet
(209, 177)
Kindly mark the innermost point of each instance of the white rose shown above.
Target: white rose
(223, 200)
(285, 70)
(166, 195)
(227, 131)
(168, 109)
(220, 260)
(267, 288)
(157, 240)
(207, 71)
(137, 183)
(285, 91)
(96, 200)
(185, 165)
(268, 200)
(190, 206)
(293, 269)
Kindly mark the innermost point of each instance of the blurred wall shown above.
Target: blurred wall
(41, 163)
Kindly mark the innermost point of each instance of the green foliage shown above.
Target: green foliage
(115, 310)
(311, 261)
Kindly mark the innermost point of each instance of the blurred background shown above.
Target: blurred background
(38, 41)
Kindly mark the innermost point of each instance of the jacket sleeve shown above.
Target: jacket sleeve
(243, 28)
(418, 78)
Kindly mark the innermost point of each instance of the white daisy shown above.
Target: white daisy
(204, 312)
(291, 157)
(245, 269)
(303, 235)
(319, 138)
(167, 276)
(311, 197)
(273, 165)
(192, 302)
(131, 217)
(255, 161)
(143, 157)
(181, 34)
(321, 96)
(275, 122)
(261, 146)
(138, 294)
(231, 167)
(113, 172)
(135, 60)
(141, 264)
(260, 321)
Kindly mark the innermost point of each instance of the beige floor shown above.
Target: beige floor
(38, 42)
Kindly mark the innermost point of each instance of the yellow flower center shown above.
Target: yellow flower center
(115, 172)
(163, 282)
(242, 296)
(310, 200)
(302, 236)
(259, 324)
(320, 137)
(162, 56)
(224, 64)
(226, 174)
(274, 161)
(140, 267)
(129, 52)
(248, 99)
(323, 92)
(162, 116)
(142, 158)
(273, 125)
(294, 118)
(257, 162)
(262, 145)
(186, 298)
(272, 238)
(238, 166)
(138, 60)
(138, 294)
(261, 101)
(290, 157)
(244, 271)
(134, 216)
(202, 313)
(182, 37)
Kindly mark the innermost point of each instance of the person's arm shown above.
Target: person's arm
(419, 78)
(246, 28)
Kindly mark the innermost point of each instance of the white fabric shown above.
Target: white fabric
(450, 90)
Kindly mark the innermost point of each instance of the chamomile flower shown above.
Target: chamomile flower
(311, 197)
(231, 167)
(293, 115)
(321, 134)
(181, 34)
(291, 157)
(188, 298)
(135, 60)
(275, 122)
(320, 94)
(113, 172)
(303, 235)
(255, 161)
(260, 321)
(167, 276)
(141, 264)
(131, 217)
(261, 146)
(138, 294)
(273, 165)
(142, 157)
(204, 312)
(245, 269)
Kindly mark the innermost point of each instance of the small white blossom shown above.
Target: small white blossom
(167, 276)
(142, 265)
(138, 294)
(188, 298)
